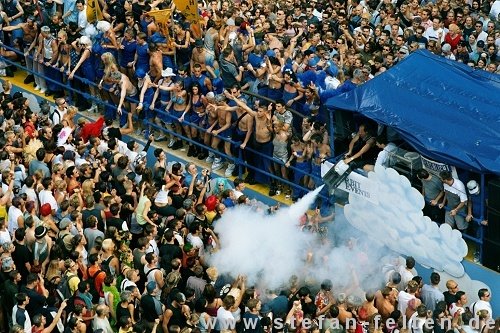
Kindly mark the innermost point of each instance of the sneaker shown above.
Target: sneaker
(42, 91)
(229, 170)
(217, 165)
(210, 158)
(249, 180)
(278, 192)
(161, 137)
(202, 155)
(477, 258)
(171, 143)
(272, 192)
(177, 145)
(37, 88)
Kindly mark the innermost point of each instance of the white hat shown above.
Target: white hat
(167, 72)
(85, 41)
(103, 26)
(473, 187)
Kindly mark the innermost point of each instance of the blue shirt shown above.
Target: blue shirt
(70, 6)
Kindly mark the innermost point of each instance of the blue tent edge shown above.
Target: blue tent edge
(444, 109)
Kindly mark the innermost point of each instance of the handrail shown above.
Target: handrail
(238, 160)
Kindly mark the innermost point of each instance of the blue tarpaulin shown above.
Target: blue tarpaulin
(446, 110)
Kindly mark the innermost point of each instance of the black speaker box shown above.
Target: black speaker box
(492, 231)
(491, 257)
(494, 195)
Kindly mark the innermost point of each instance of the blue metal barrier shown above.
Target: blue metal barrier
(237, 160)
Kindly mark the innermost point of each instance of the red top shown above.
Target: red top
(92, 129)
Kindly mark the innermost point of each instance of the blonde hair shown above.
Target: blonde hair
(87, 187)
(61, 185)
(482, 314)
(6, 85)
(110, 66)
(57, 167)
(53, 270)
(62, 33)
(107, 244)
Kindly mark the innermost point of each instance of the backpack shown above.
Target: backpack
(105, 265)
(93, 289)
(63, 289)
(51, 115)
(62, 246)
(72, 302)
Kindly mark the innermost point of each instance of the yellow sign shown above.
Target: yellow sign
(161, 19)
(189, 8)
(94, 12)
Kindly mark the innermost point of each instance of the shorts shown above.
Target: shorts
(227, 133)
(196, 118)
(458, 221)
(177, 114)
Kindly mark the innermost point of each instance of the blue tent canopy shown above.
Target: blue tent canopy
(446, 110)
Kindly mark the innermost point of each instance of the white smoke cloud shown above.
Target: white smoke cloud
(398, 223)
(267, 248)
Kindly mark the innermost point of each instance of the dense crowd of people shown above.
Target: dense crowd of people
(95, 239)
(296, 54)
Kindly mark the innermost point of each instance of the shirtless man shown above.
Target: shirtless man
(126, 89)
(210, 119)
(367, 311)
(262, 141)
(222, 128)
(30, 30)
(167, 51)
(155, 62)
(385, 300)
(198, 56)
(244, 129)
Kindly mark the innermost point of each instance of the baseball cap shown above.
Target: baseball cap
(473, 187)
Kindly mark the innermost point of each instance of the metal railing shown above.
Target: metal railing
(237, 160)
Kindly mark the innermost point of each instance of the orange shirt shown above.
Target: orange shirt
(98, 280)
